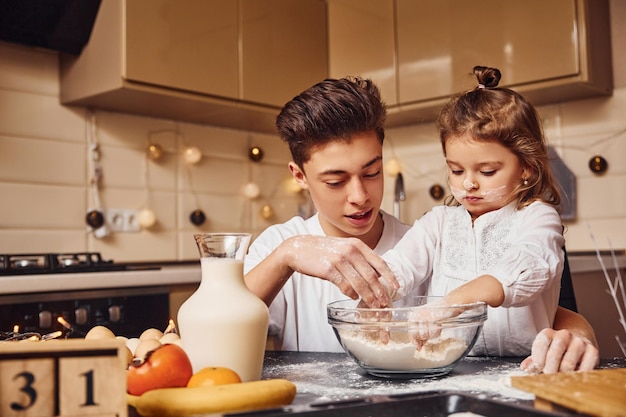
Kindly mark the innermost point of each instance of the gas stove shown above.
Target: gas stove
(57, 263)
(42, 292)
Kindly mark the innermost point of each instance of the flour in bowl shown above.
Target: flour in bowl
(399, 353)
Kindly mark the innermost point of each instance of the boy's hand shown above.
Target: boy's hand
(560, 351)
(346, 262)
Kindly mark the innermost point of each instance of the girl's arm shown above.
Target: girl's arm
(483, 288)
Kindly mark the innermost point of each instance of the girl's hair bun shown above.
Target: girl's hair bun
(487, 77)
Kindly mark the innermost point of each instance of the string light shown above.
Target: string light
(256, 154)
(393, 167)
(155, 151)
(251, 190)
(146, 218)
(192, 155)
(267, 212)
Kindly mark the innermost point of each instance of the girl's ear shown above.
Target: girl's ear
(298, 175)
(527, 173)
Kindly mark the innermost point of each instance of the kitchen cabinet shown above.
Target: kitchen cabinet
(220, 62)
(361, 41)
(549, 51)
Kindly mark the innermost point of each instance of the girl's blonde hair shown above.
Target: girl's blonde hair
(489, 113)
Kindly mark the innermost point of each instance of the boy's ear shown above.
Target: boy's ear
(298, 175)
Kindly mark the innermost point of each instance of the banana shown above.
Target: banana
(217, 399)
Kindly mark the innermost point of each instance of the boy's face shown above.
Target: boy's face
(345, 180)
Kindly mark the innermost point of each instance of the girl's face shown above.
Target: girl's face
(345, 180)
(482, 175)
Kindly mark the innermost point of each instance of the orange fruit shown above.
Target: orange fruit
(213, 375)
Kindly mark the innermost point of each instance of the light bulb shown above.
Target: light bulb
(251, 190)
(291, 186)
(393, 167)
(155, 152)
(255, 154)
(146, 218)
(192, 155)
(267, 212)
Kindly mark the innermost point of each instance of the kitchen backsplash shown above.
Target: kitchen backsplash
(46, 167)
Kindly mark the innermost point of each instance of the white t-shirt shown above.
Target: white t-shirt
(523, 249)
(298, 318)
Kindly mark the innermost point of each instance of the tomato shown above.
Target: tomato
(167, 366)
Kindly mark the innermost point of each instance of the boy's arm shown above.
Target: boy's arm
(346, 262)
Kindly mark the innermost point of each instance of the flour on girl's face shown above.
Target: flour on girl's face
(495, 195)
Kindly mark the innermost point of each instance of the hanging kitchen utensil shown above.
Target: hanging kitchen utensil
(95, 217)
(399, 195)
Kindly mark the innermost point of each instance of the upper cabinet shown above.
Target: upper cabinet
(221, 62)
(425, 49)
(362, 42)
(234, 63)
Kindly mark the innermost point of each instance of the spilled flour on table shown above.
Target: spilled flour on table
(344, 380)
(400, 354)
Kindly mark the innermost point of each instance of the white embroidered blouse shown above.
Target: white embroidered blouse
(523, 249)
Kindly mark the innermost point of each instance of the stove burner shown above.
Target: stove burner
(54, 263)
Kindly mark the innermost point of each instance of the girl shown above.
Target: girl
(499, 237)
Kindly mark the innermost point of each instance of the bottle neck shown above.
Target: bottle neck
(220, 272)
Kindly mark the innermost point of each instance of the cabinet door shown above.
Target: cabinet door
(440, 41)
(362, 42)
(284, 48)
(190, 45)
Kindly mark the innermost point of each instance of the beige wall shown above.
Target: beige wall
(44, 167)
(45, 171)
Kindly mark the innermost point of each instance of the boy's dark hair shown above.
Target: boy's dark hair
(334, 109)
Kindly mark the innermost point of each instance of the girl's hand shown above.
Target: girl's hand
(426, 321)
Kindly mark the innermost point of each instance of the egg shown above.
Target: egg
(146, 346)
(151, 333)
(169, 337)
(129, 356)
(132, 344)
(99, 333)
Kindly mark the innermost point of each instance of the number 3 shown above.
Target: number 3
(26, 389)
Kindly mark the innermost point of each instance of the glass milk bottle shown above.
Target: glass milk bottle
(223, 324)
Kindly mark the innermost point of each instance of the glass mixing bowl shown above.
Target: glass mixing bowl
(409, 339)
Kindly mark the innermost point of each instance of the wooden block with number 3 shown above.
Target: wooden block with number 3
(63, 378)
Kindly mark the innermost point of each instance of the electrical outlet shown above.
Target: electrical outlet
(122, 220)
